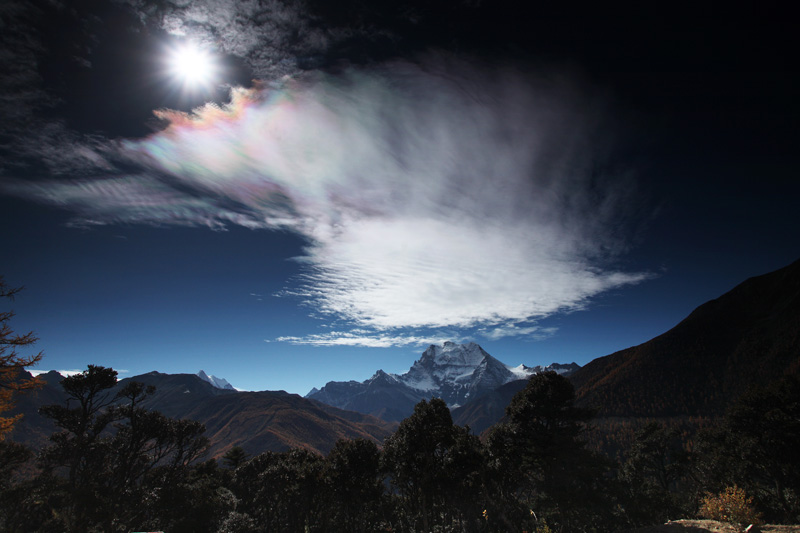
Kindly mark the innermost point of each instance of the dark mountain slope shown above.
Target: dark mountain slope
(750, 335)
(277, 421)
(256, 421)
(33, 429)
(487, 410)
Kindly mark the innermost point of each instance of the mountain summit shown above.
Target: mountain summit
(220, 383)
(456, 373)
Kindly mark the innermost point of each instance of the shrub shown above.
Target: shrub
(731, 505)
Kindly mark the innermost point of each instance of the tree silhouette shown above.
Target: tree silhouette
(235, 457)
(355, 485)
(428, 459)
(654, 466)
(539, 454)
(115, 464)
(755, 447)
(12, 362)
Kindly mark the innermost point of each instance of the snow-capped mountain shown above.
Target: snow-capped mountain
(219, 383)
(564, 369)
(454, 372)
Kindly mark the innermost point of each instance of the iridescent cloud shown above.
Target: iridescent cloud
(430, 195)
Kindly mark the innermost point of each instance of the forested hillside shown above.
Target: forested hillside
(748, 336)
(114, 465)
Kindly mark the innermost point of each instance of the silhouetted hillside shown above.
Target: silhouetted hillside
(480, 414)
(256, 421)
(750, 335)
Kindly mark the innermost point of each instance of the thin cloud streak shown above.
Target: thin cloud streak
(363, 339)
(66, 373)
(513, 330)
(431, 195)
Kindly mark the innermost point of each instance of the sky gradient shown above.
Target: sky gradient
(349, 187)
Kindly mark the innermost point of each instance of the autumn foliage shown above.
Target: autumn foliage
(731, 505)
(12, 362)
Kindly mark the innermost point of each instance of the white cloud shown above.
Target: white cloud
(363, 338)
(64, 373)
(514, 330)
(434, 195)
(67, 373)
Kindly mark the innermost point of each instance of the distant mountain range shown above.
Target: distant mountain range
(750, 335)
(456, 373)
(256, 421)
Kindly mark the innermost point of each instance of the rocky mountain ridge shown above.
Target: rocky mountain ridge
(256, 421)
(456, 373)
(220, 383)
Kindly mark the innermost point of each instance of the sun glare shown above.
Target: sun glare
(192, 65)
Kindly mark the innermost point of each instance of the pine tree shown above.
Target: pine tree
(354, 485)
(12, 362)
(540, 457)
(432, 464)
(235, 457)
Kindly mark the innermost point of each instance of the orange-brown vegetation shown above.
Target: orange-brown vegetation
(12, 362)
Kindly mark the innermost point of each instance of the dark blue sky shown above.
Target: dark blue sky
(554, 190)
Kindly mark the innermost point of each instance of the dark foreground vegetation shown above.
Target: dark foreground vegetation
(115, 466)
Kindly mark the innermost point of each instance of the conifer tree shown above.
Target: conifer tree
(541, 460)
(755, 447)
(354, 485)
(235, 457)
(12, 362)
(433, 463)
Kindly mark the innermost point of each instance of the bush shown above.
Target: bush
(731, 505)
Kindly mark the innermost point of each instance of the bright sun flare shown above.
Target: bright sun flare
(192, 65)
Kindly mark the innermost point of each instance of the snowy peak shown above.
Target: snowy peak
(382, 377)
(456, 373)
(452, 354)
(523, 372)
(449, 362)
(219, 383)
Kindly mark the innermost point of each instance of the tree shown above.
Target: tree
(79, 449)
(653, 468)
(235, 457)
(12, 362)
(755, 447)
(436, 468)
(354, 485)
(12, 456)
(539, 454)
(291, 496)
(116, 465)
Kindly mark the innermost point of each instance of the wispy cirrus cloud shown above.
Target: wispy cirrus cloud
(431, 195)
(66, 373)
(532, 332)
(365, 338)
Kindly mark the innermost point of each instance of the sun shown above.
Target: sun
(192, 65)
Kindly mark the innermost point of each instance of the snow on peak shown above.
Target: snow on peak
(523, 372)
(449, 363)
(382, 376)
(219, 383)
(456, 373)
(450, 353)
